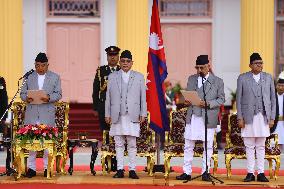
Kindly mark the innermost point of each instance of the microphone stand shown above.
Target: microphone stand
(211, 178)
(10, 171)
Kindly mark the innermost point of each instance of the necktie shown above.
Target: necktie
(112, 69)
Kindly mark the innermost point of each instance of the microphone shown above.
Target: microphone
(27, 74)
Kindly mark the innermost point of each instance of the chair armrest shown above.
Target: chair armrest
(167, 138)
(105, 133)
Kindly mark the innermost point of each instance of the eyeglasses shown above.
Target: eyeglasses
(124, 60)
(200, 67)
(257, 63)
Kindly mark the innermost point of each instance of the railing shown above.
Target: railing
(73, 8)
(186, 8)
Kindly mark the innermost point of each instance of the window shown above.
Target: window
(73, 8)
(185, 8)
(280, 7)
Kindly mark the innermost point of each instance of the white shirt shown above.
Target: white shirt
(200, 80)
(256, 77)
(125, 76)
(40, 81)
(280, 103)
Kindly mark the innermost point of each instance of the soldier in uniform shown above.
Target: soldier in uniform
(100, 88)
(3, 105)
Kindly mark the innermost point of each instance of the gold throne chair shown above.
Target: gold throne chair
(174, 141)
(145, 147)
(61, 122)
(235, 148)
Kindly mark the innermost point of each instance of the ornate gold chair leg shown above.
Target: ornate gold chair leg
(277, 167)
(228, 159)
(270, 168)
(152, 162)
(148, 163)
(167, 165)
(63, 164)
(58, 159)
(215, 159)
(103, 160)
(108, 163)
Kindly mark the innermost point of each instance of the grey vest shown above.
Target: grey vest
(123, 106)
(197, 110)
(258, 103)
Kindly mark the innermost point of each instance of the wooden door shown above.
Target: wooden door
(74, 53)
(183, 43)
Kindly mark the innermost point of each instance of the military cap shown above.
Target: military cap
(112, 50)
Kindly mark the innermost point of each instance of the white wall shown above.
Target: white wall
(226, 43)
(34, 31)
(108, 25)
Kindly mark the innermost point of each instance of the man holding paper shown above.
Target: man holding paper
(45, 86)
(195, 119)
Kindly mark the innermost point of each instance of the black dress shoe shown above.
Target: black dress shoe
(133, 175)
(119, 174)
(206, 177)
(45, 173)
(183, 176)
(30, 173)
(250, 177)
(261, 178)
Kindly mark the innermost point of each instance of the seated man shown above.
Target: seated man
(43, 113)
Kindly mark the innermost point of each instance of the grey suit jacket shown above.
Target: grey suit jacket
(215, 97)
(246, 95)
(136, 96)
(42, 113)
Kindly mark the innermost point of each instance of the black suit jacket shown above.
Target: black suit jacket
(3, 97)
(100, 86)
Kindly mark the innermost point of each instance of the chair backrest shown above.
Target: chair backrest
(234, 132)
(61, 118)
(177, 126)
(145, 132)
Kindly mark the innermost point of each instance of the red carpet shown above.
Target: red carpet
(94, 186)
(177, 169)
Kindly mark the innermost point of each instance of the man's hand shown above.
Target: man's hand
(241, 123)
(271, 123)
(45, 99)
(108, 120)
(141, 119)
(202, 104)
(29, 99)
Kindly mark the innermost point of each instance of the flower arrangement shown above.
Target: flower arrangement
(37, 132)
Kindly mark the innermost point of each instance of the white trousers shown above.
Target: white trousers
(188, 155)
(131, 149)
(32, 159)
(255, 145)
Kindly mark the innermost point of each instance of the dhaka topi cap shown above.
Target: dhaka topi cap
(202, 60)
(126, 54)
(41, 57)
(254, 57)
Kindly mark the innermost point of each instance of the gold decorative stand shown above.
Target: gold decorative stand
(19, 150)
